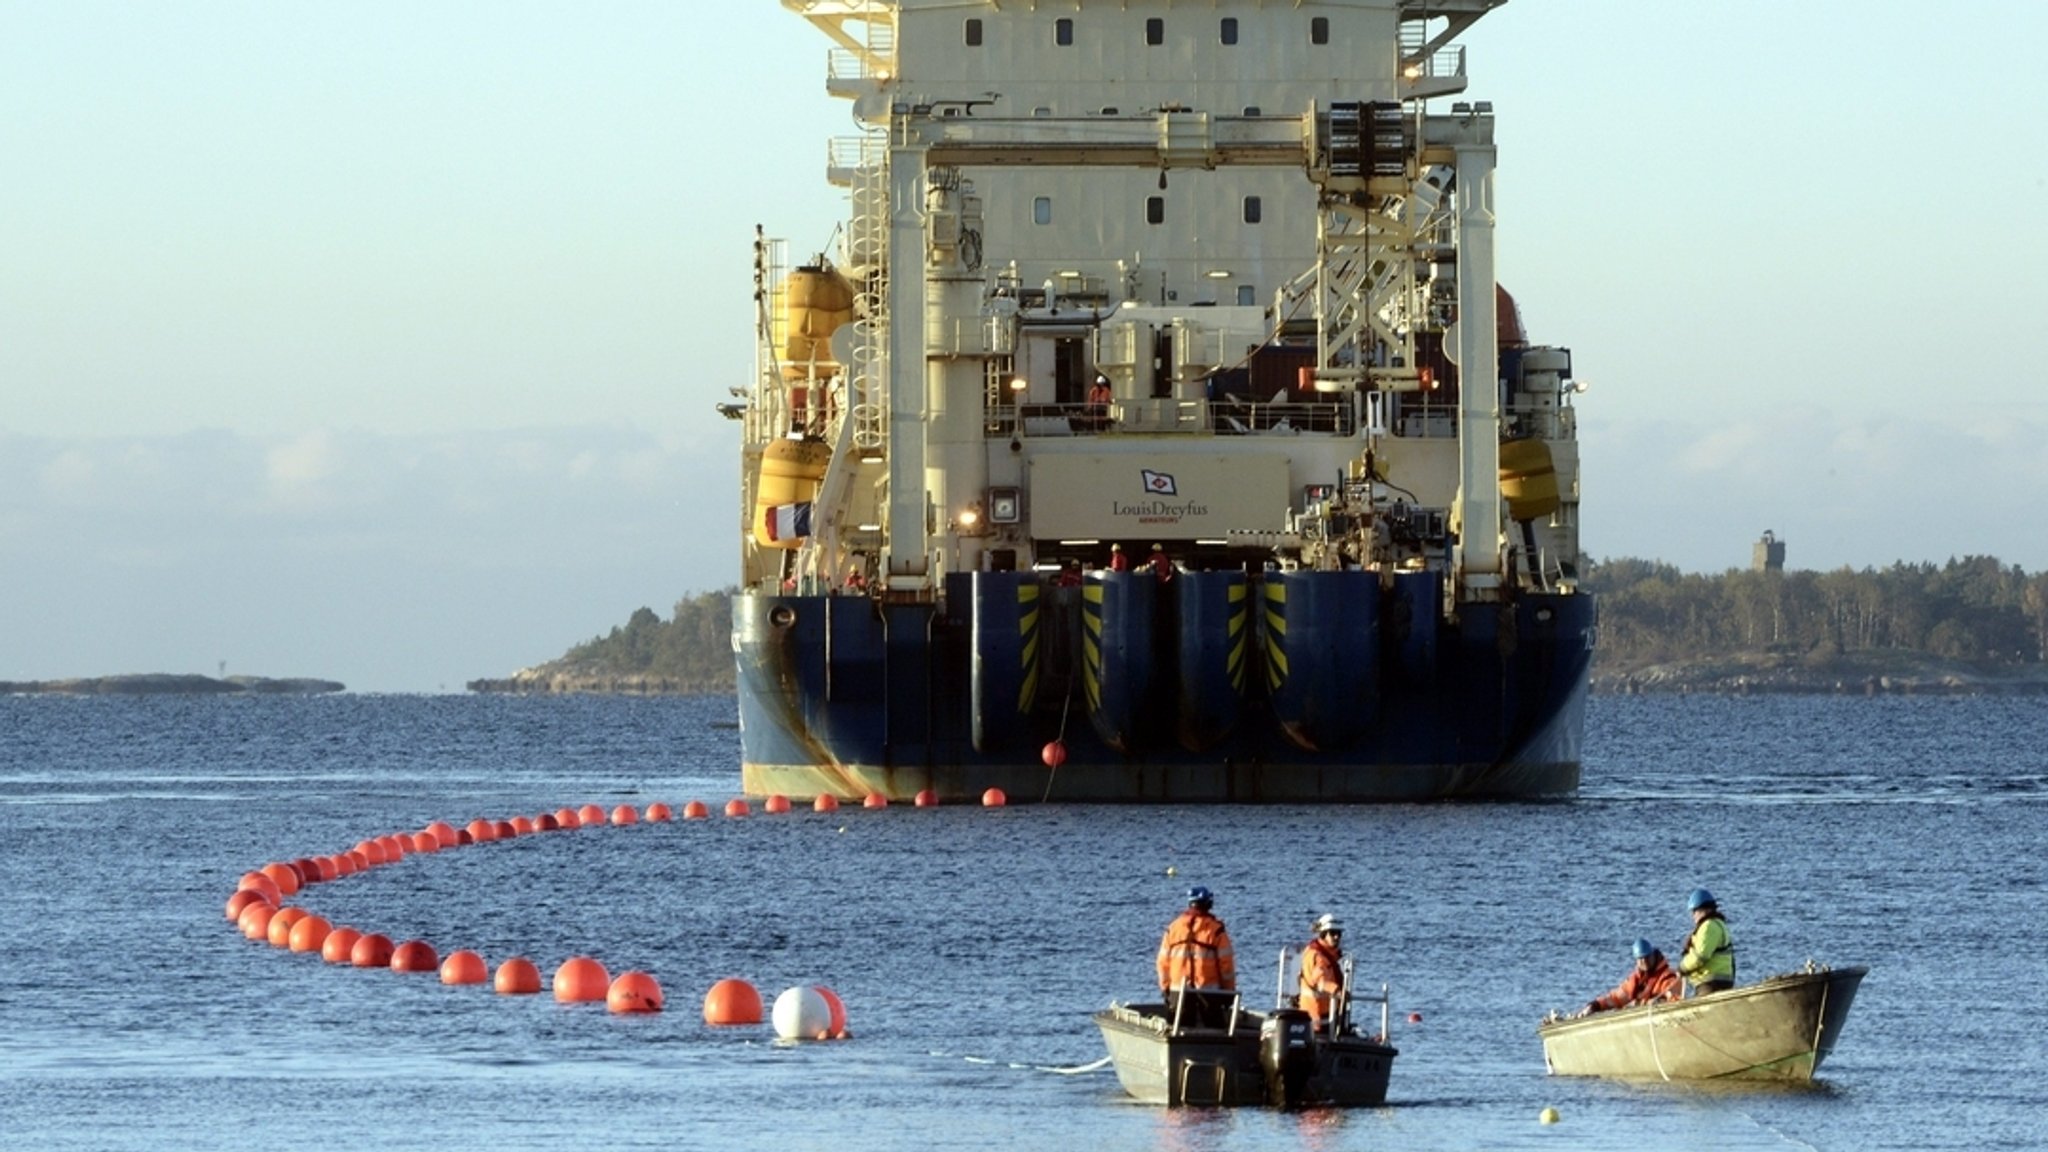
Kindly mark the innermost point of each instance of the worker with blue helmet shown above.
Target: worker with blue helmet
(1196, 952)
(1708, 964)
(1650, 981)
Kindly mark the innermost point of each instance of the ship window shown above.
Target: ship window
(1253, 209)
(1109, 109)
(1155, 209)
(1230, 29)
(1244, 295)
(1041, 112)
(1041, 210)
(1252, 110)
(1063, 32)
(1318, 30)
(974, 33)
(1155, 31)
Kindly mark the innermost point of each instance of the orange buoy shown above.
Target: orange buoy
(1415, 1017)
(444, 832)
(480, 831)
(424, 841)
(242, 898)
(502, 830)
(837, 1025)
(414, 956)
(732, 1001)
(517, 977)
(308, 870)
(309, 934)
(342, 863)
(590, 816)
(994, 798)
(567, 818)
(393, 850)
(546, 822)
(340, 945)
(1054, 754)
(464, 967)
(407, 841)
(371, 951)
(373, 853)
(260, 882)
(634, 992)
(359, 859)
(695, 810)
(737, 806)
(279, 930)
(875, 800)
(522, 826)
(659, 812)
(581, 979)
(926, 798)
(254, 921)
(826, 802)
(325, 869)
(624, 814)
(776, 803)
(284, 876)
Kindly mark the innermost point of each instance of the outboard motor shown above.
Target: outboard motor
(1287, 1055)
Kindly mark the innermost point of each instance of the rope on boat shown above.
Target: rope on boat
(1055, 1069)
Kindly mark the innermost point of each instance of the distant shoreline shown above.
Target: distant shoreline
(170, 684)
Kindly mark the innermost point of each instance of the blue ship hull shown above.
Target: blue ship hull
(1214, 687)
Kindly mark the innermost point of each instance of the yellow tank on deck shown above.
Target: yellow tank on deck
(816, 300)
(790, 472)
(1528, 479)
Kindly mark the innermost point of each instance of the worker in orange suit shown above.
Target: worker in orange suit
(1196, 952)
(1322, 972)
(1650, 981)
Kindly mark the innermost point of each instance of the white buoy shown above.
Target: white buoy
(801, 1014)
(1547, 1116)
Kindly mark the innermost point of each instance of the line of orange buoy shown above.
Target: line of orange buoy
(257, 908)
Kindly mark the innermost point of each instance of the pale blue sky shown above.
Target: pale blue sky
(379, 341)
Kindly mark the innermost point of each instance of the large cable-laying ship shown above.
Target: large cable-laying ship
(1154, 428)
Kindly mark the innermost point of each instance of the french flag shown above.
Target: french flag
(789, 521)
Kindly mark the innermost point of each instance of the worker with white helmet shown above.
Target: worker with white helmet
(1322, 972)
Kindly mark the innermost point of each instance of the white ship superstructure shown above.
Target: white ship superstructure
(1201, 281)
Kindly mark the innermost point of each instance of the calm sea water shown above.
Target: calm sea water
(971, 945)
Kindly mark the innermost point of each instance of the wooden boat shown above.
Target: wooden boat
(1780, 1029)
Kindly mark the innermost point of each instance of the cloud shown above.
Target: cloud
(384, 561)
(1859, 489)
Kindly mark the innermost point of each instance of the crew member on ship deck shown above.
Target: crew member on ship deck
(1162, 564)
(1118, 562)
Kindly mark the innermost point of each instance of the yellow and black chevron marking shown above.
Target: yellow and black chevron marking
(1091, 645)
(1027, 631)
(1239, 617)
(1276, 634)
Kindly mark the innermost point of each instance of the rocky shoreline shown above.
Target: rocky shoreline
(172, 684)
(1862, 674)
(555, 679)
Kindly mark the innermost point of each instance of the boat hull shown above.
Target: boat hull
(1777, 1030)
(1220, 1067)
(1150, 699)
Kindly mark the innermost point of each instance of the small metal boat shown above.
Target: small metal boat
(1206, 1048)
(1780, 1029)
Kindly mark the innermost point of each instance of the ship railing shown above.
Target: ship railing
(1228, 416)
